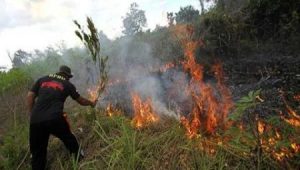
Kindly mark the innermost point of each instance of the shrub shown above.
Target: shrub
(14, 79)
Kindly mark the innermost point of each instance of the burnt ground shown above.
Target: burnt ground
(266, 73)
(277, 77)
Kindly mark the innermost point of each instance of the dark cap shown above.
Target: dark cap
(66, 70)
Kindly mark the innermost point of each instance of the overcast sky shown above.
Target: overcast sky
(36, 24)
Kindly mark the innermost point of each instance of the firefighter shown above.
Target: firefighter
(45, 104)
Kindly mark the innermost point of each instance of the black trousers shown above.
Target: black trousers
(39, 136)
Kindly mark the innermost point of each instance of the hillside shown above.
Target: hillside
(212, 90)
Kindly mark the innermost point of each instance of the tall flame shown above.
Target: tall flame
(191, 127)
(226, 103)
(143, 112)
(209, 110)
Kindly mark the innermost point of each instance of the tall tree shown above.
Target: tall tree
(202, 6)
(171, 18)
(186, 14)
(134, 21)
(20, 58)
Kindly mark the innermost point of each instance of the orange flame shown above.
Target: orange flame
(192, 126)
(111, 111)
(209, 110)
(226, 102)
(93, 92)
(260, 127)
(294, 118)
(296, 147)
(269, 143)
(143, 112)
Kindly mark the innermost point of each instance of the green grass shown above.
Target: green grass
(14, 150)
(112, 143)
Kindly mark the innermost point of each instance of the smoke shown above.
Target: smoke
(151, 86)
(134, 69)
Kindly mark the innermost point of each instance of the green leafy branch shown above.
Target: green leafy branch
(92, 43)
(243, 104)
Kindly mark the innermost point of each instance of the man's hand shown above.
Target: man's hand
(94, 103)
(85, 102)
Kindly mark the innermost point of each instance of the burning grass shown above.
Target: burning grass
(209, 137)
(143, 112)
(160, 146)
(211, 105)
(111, 142)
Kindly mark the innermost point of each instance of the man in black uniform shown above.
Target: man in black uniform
(46, 114)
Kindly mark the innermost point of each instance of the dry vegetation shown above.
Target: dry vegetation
(242, 112)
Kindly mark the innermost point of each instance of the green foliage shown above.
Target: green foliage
(134, 21)
(245, 139)
(161, 146)
(123, 147)
(48, 61)
(240, 28)
(164, 46)
(91, 40)
(243, 104)
(15, 148)
(186, 14)
(13, 79)
(222, 33)
(45, 63)
(112, 143)
(274, 19)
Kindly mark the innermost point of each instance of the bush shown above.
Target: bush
(13, 80)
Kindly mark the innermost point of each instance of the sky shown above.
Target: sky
(37, 24)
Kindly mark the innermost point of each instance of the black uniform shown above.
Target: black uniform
(47, 117)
